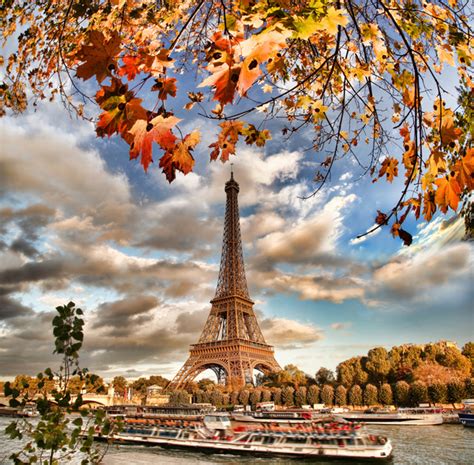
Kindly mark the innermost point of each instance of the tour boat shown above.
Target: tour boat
(216, 435)
(466, 417)
(409, 416)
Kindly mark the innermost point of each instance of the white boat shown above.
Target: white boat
(408, 416)
(216, 435)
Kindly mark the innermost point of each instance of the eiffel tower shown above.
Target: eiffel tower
(231, 343)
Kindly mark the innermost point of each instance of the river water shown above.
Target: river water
(413, 445)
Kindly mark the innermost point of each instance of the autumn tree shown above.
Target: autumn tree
(217, 398)
(276, 395)
(417, 393)
(266, 395)
(234, 397)
(362, 79)
(327, 395)
(341, 395)
(324, 376)
(255, 397)
(119, 384)
(377, 365)
(385, 394)
(313, 394)
(355, 395)
(351, 372)
(244, 396)
(301, 396)
(456, 391)
(468, 352)
(287, 396)
(401, 393)
(437, 393)
(370, 395)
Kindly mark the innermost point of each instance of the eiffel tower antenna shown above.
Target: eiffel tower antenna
(231, 343)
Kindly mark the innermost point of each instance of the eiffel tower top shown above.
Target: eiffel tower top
(232, 281)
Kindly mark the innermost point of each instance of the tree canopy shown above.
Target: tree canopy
(362, 78)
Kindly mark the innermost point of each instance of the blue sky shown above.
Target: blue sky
(80, 222)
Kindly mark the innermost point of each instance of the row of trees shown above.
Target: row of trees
(400, 394)
(441, 361)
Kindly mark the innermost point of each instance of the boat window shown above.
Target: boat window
(296, 440)
(268, 440)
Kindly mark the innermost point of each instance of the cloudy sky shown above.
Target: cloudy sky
(80, 222)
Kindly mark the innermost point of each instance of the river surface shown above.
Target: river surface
(413, 445)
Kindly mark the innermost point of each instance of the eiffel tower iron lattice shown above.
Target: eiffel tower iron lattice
(231, 343)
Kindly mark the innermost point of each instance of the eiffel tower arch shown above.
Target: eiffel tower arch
(231, 344)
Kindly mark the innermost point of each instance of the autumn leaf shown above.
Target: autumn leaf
(99, 56)
(381, 218)
(145, 133)
(121, 109)
(389, 168)
(179, 157)
(227, 139)
(405, 236)
(165, 87)
(224, 80)
(448, 193)
(254, 136)
(429, 205)
(464, 168)
(448, 132)
(130, 67)
(334, 18)
(194, 97)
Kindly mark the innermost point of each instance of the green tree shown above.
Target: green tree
(300, 396)
(327, 395)
(355, 395)
(417, 393)
(385, 394)
(456, 391)
(341, 395)
(313, 394)
(287, 396)
(56, 437)
(401, 393)
(437, 393)
(370, 395)
(324, 376)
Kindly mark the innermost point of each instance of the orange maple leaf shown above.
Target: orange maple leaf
(448, 193)
(130, 67)
(165, 86)
(121, 110)
(464, 168)
(224, 80)
(390, 168)
(448, 132)
(145, 133)
(100, 56)
(227, 139)
(179, 157)
(429, 205)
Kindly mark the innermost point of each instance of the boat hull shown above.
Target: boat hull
(467, 419)
(220, 447)
(393, 419)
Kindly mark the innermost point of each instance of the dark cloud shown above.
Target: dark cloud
(125, 316)
(10, 308)
(33, 272)
(21, 245)
(192, 322)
